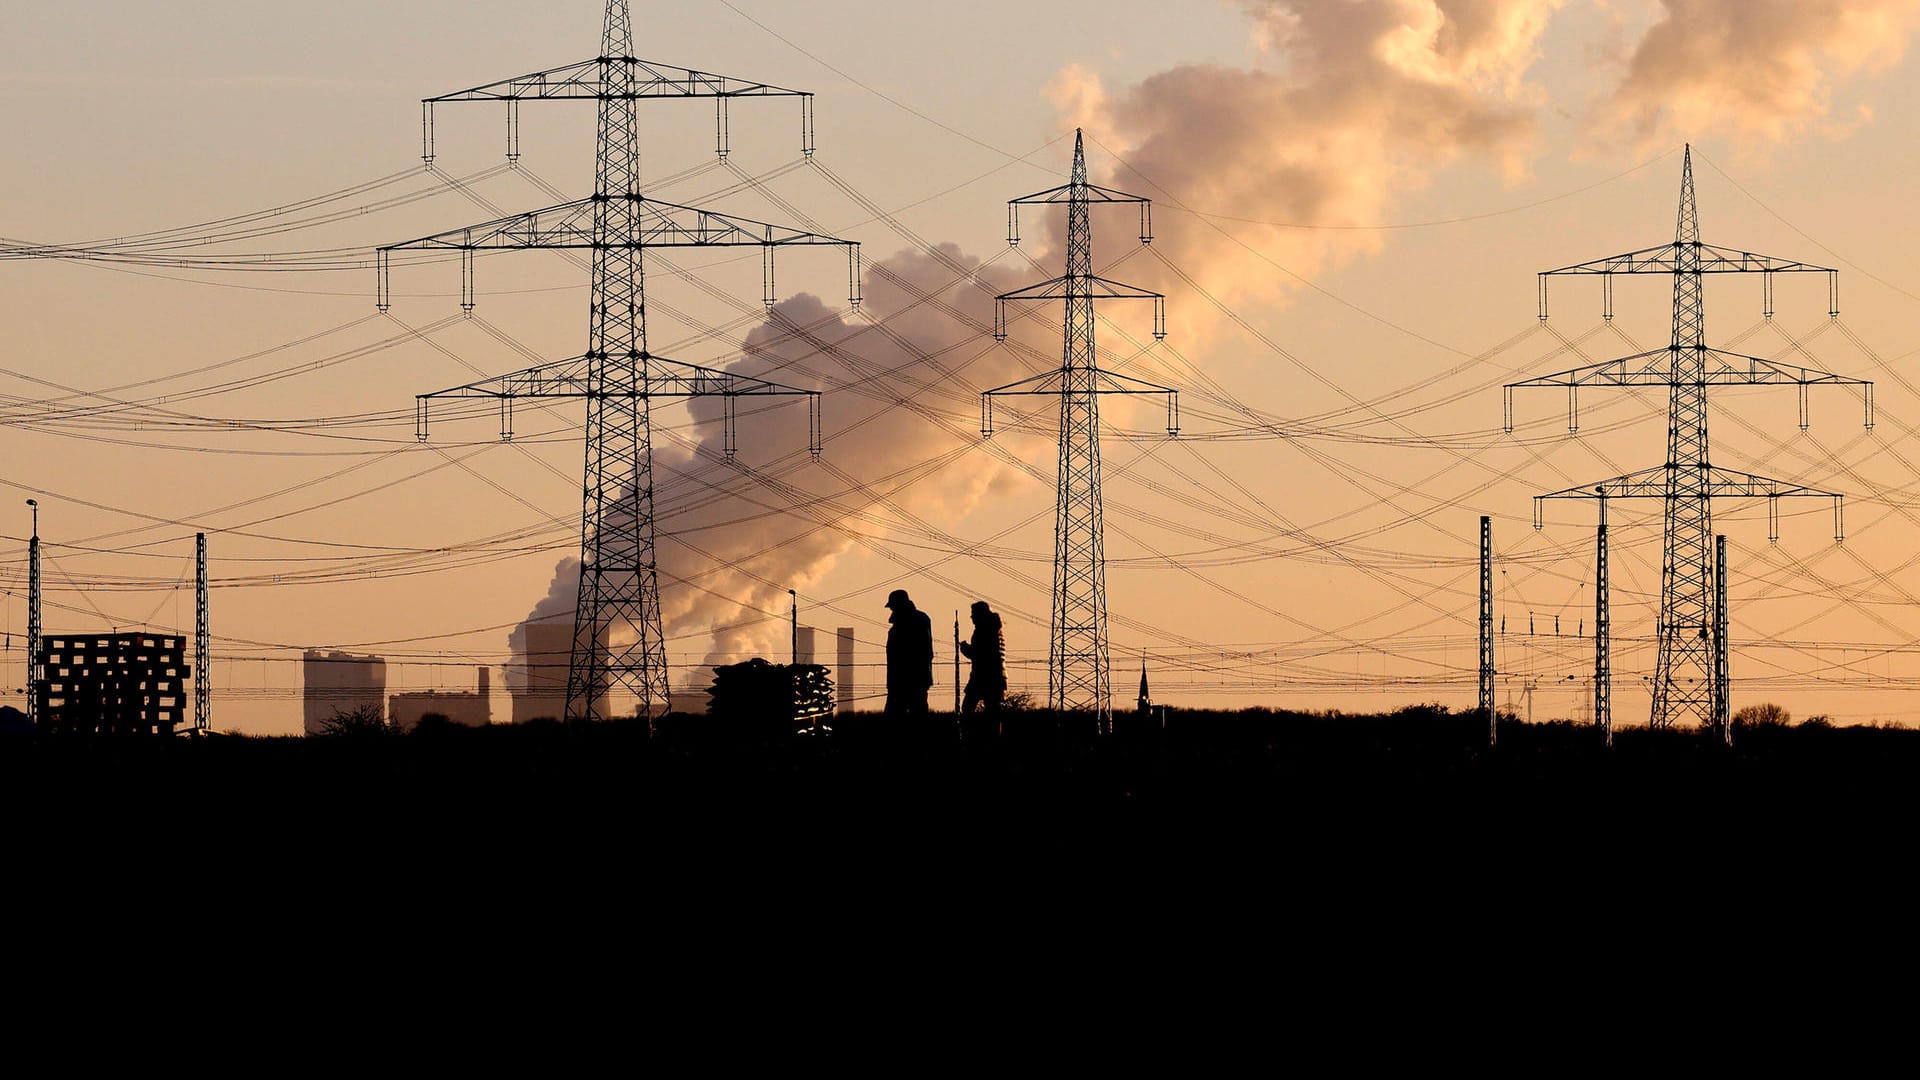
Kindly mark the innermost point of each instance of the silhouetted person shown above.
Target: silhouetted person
(987, 684)
(909, 657)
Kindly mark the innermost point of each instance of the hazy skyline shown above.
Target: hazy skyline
(1377, 184)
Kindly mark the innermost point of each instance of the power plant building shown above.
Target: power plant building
(405, 711)
(338, 682)
(111, 684)
(542, 690)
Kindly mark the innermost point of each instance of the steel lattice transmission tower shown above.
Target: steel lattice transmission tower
(1078, 676)
(1686, 682)
(617, 376)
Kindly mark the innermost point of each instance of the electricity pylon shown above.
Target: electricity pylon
(617, 376)
(1686, 680)
(1078, 678)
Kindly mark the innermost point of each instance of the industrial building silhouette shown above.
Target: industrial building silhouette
(111, 684)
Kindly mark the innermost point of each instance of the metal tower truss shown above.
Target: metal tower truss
(1686, 677)
(1602, 630)
(202, 645)
(35, 671)
(1485, 702)
(1722, 673)
(572, 225)
(617, 376)
(592, 80)
(664, 379)
(1078, 676)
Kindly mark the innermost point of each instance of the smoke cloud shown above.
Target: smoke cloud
(899, 396)
(1763, 71)
(1365, 99)
(729, 543)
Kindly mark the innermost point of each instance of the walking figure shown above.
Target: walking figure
(909, 657)
(987, 685)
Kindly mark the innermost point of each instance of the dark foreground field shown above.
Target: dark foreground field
(1285, 786)
(1244, 866)
(1285, 834)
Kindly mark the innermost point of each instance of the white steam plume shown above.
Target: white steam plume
(1365, 99)
(1760, 71)
(896, 399)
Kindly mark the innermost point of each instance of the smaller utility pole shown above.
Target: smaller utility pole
(202, 649)
(1602, 631)
(793, 654)
(1486, 629)
(1722, 692)
(33, 617)
(956, 661)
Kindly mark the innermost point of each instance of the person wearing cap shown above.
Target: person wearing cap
(909, 657)
(987, 685)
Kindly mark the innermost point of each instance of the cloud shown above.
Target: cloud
(1361, 101)
(1760, 71)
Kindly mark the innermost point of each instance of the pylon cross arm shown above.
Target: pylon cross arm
(1092, 193)
(575, 225)
(663, 378)
(1104, 382)
(1738, 369)
(1088, 287)
(1666, 259)
(658, 377)
(1719, 484)
(661, 224)
(1655, 368)
(648, 79)
(1606, 373)
(1097, 288)
(1054, 384)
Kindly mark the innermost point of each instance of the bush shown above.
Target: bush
(1763, 715)
(359, 722)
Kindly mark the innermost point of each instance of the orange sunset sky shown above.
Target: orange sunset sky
(1352, 199)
